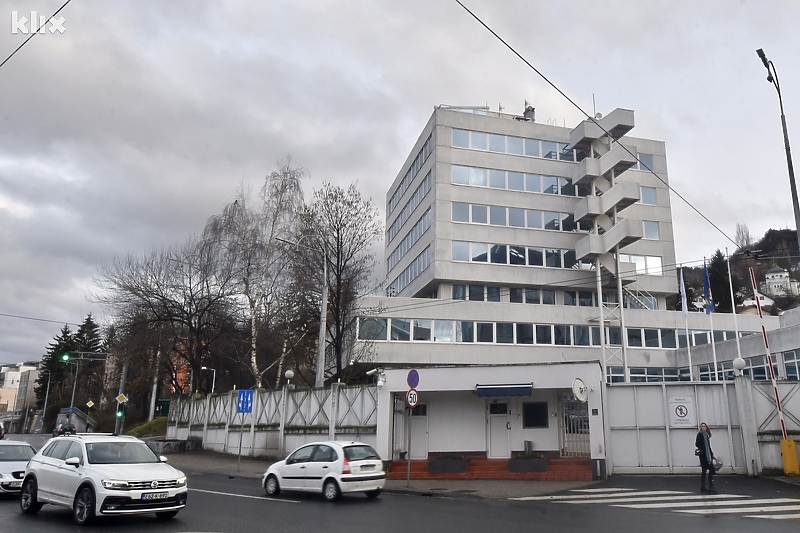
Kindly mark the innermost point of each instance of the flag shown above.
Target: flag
(684, 307)
(708, 299)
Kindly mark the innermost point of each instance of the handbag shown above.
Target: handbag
(717, 464)
(697, 452)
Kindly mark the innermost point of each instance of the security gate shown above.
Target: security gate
(574, 426)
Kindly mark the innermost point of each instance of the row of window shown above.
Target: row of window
(516, 181)
(422, 190)
(515, 217)
(410, 273)
(448, 331)
(503, 254)
(536, 295)
(510, 144)
(409, 240)
(413, 170)
(533, 183)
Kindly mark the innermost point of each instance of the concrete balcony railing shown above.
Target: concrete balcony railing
(621, 195)
(622, 234)
(617, 123)
(618, 160)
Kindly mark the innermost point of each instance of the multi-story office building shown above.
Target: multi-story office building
(508, 243)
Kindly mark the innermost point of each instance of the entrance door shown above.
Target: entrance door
(499, 430)
(574, 426)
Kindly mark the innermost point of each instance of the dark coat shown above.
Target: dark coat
(700, 443)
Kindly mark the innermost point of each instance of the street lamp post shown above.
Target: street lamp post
(772, 77)
(213, 376)
(46, 394)
(323, 311)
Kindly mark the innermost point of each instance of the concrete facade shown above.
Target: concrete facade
(501, 234)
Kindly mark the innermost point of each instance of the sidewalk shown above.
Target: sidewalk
(208, 462)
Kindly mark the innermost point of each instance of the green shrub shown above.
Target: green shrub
(155, 428)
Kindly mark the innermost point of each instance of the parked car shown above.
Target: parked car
(102, 475)
(2, 431)
(331, 468)
(64, 429)
(14, 456)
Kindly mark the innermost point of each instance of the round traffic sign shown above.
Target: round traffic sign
(413, 379)
(412, 398)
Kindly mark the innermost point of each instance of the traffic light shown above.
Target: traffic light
(122, 410)
(65, 358)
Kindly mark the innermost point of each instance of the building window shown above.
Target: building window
(459, 292)
(422, 330)
(651, 338)
(372, 329)
(648, 195)
(562, 335)
(476, 293)
(645, 162)
(505, 333)
(790, 362)
(535, 415)
(401, 329)
(443, 331)
(570, 298)
(485, 331)
(544, 334)
(465, 331)
(515, 295)
(492, 294)
(651, 230)
(524, 333)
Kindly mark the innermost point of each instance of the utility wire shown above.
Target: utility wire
(34, 32)
(592, 119)
(21, 317)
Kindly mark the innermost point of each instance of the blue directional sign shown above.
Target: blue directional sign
(244, 404)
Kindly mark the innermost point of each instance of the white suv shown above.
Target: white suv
(97, 474)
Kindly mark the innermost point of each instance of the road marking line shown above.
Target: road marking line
(776, 516)
(741, 510)
(601, 490)
(665, 500)
(589, 497)
(708, 503)
(244, 496)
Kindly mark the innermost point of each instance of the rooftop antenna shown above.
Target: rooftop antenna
(594, 106)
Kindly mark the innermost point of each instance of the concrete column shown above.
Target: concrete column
(333, 410)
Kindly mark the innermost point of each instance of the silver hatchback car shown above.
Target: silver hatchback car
(330, 467)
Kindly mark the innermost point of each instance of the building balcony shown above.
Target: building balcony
(618, 160)
(617, 123)
(623, 233)
(621, 195)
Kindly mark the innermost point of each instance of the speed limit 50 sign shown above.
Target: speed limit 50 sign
(412, 398)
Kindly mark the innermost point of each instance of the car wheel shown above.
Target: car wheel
(83, 507)
(166, 515)
(29, 501)
(331, 491)
(373, 493)
(271, 486)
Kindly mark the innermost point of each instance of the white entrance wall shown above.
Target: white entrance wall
(457, 417)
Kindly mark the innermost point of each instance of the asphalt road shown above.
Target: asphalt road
(660, 504)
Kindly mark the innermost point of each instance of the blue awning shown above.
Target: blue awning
(507, 389)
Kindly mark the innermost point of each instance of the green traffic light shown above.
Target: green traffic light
(65, 357)
(119, 414)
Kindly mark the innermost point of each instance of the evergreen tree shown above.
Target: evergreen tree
(720, 286)
(89, 372)
(55, 372)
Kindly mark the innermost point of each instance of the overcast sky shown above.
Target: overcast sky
(128, 130)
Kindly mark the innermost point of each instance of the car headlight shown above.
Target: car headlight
(115, 484)
(180, 482)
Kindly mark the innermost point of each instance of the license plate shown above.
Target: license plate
(15, 484)
(367, 467)
(155, 495)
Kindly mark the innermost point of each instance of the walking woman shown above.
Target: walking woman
(703, 444)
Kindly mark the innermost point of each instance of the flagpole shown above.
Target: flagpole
(685, 311)
(733, 305)
(709, 307)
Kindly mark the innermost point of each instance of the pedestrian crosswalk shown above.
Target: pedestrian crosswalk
(680, 502)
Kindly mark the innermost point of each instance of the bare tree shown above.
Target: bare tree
(249, 236)
(344, 226)
(189, 288)
(743, 238)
